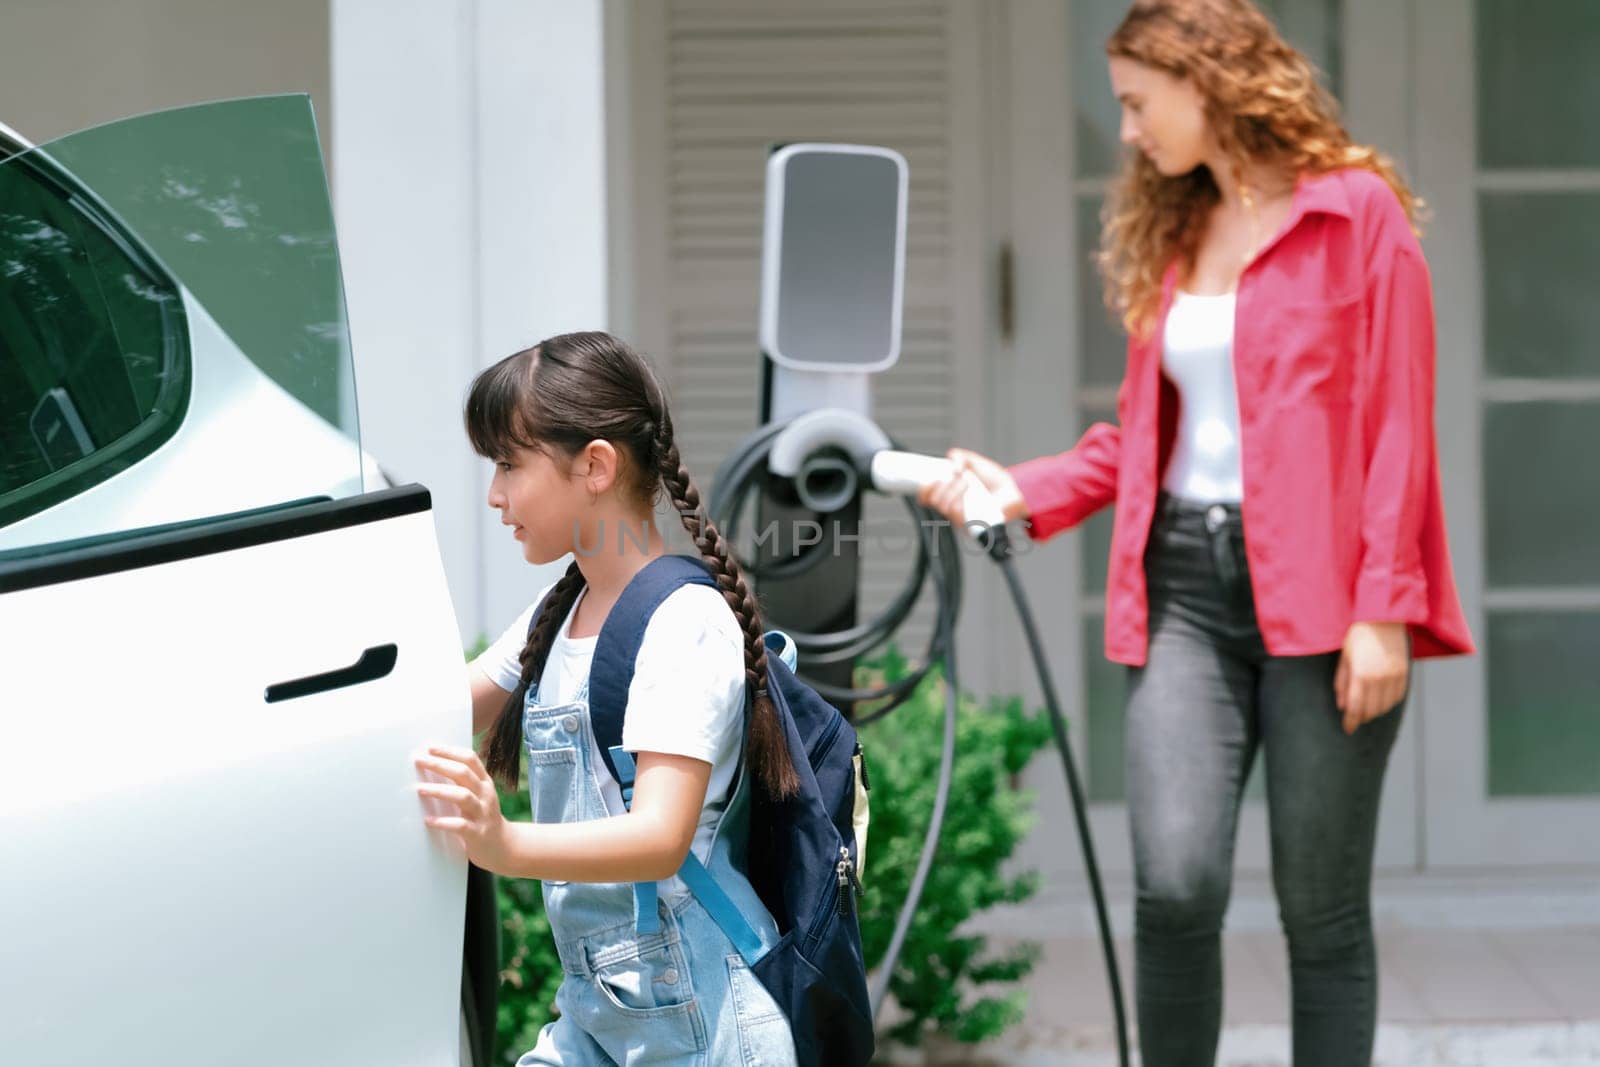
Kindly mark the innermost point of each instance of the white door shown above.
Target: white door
(199, 868)
(1508, 154)
(1068, 358)
(219, 654)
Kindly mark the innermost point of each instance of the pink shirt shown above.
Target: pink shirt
(1333, 355)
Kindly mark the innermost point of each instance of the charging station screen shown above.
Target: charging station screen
(840, 261)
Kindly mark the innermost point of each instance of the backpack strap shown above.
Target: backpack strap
(533, 620)
(616, 652)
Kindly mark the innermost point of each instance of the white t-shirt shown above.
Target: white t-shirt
(1198, 357)
(686, 699)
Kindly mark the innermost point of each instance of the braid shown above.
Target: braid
(769, 748)
(501, 747)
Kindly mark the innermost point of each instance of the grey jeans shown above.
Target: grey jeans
(1208, 696)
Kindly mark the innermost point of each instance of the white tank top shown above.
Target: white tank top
(1197, 355)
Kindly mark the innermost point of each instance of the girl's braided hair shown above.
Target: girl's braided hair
(555, 398)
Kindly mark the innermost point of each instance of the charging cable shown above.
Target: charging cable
(896, 472)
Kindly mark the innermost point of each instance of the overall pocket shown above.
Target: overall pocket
(646, 1004)
(552, 743)
(654, 981)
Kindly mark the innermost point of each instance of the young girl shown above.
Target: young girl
(578, 429)
(1279, 553)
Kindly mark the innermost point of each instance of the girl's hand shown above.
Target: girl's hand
(1371, 678)
(479, 825)
(947, 497)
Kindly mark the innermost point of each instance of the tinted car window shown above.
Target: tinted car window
(173, 341)
(92, 355)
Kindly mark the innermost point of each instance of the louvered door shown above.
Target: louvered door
(715, 83)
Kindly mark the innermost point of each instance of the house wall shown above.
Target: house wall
(470, 196)
(69, 64)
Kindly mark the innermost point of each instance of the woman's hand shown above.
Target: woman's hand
(478, 822)
(1371, 678)
(948, 497)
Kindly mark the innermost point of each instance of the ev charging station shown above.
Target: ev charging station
(832, 292)
(832, 295)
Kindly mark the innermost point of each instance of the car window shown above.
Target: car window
(93, 352)
(173, 342)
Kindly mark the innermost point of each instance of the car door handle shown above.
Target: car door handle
(374, 663)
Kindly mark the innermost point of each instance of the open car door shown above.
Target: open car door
(218, 653)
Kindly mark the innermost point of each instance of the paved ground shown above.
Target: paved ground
(1475, 996)
(1492, 997)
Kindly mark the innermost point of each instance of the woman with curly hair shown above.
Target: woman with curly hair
(1279, 553)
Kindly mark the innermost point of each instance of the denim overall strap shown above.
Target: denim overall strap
(646, 918)
(532, 695)
(724, 912)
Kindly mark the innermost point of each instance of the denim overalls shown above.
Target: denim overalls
(664, 987)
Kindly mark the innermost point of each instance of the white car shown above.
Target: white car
(220, 642)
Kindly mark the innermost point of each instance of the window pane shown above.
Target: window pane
(1105, 695)
(92, 344)
(1541, 255)
(1544, 704)
(233, 198)
(1537, 83)
(1105, 703)
(172, 330)
(1313, 26)
(1316, 27)
(1097, 118)
(1102, 344)
(1095, 552)
(1539, 492)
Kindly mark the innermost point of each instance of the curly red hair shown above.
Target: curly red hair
(1264, 105)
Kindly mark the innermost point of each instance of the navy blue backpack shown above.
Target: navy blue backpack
(803, 852)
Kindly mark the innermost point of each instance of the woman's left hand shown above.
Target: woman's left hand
(1371, 678)
(479, 825)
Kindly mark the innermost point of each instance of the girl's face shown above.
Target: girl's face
(541, 499)
(1162, 115)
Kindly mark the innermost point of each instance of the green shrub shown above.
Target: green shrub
(530, 970)
(946, 981)
(943, 981)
